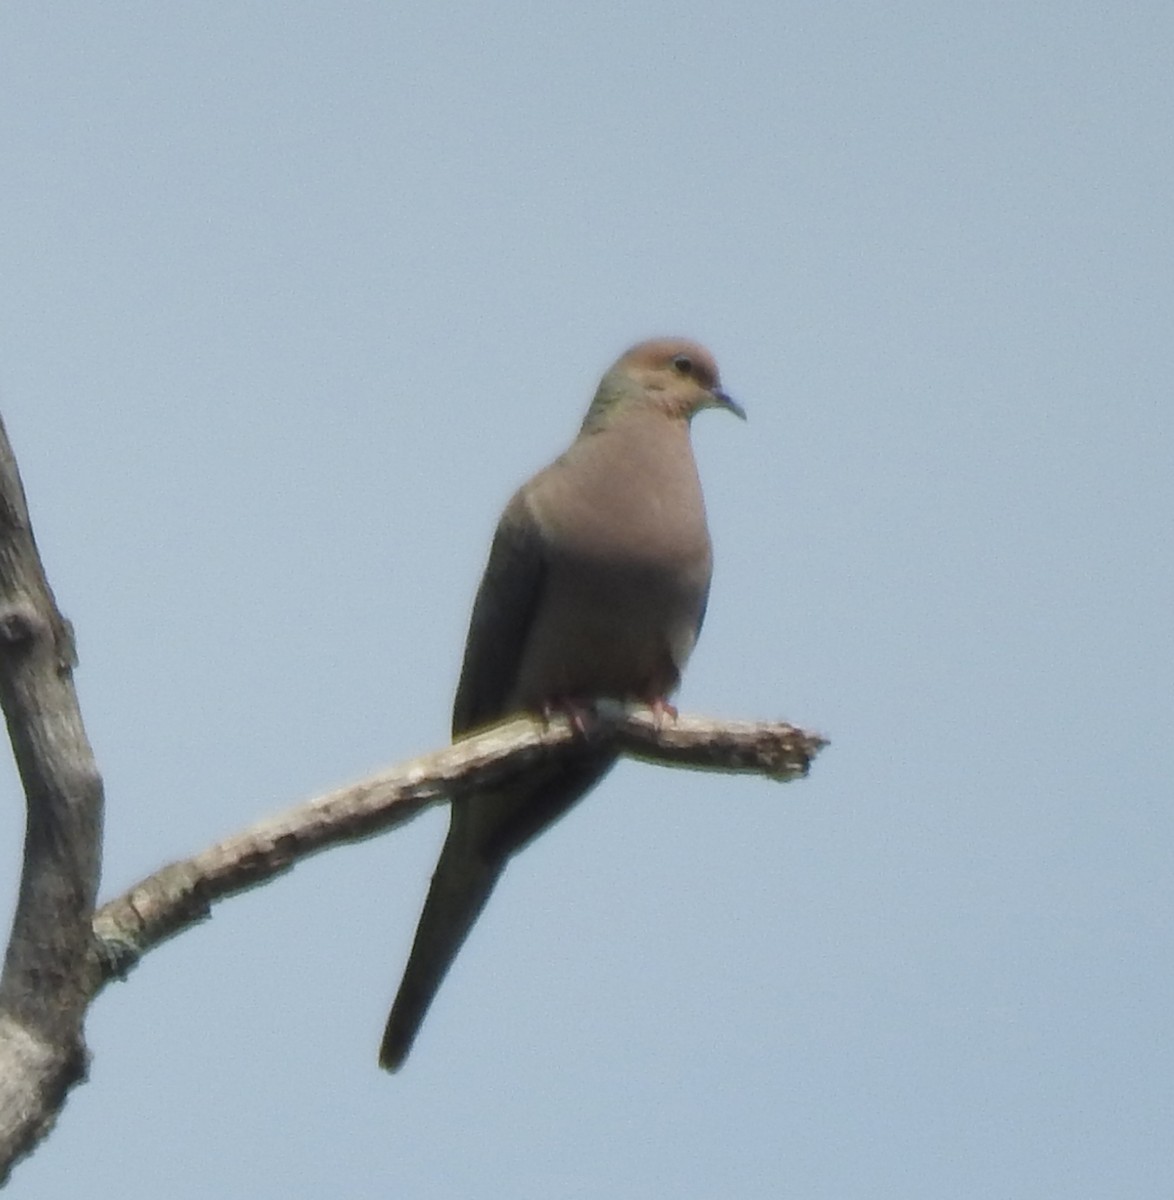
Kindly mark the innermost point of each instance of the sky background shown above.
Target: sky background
(293, 296)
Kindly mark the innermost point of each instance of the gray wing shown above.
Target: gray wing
(479, 839)
(503, 614)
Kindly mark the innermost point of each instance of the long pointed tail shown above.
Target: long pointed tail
(460, 886)
(485, 831)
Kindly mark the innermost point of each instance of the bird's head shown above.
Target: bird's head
(672, 376)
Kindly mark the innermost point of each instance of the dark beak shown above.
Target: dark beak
(724, 400)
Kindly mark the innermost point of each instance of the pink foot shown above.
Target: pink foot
(661, 709)
(581, 714)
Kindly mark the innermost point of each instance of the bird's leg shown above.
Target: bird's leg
(661, 708)
(580, 713)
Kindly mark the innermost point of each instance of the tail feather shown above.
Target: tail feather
(485, 831)
(461, 884)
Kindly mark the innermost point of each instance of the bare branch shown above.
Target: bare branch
(181, 894)
(42, 993)
(771, 748)
(61, 954)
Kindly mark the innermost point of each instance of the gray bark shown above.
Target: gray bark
(61, 952)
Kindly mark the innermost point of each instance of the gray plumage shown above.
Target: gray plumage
(596, 586)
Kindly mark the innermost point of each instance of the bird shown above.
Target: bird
(596, 586)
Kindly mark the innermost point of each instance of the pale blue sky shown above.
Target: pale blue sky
(293, 296)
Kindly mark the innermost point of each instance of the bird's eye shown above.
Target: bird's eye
(683, 364)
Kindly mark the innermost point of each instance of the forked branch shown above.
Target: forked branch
(61, 953)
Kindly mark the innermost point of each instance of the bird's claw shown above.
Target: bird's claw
(579, 713)
(662, 709)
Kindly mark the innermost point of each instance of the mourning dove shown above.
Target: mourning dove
(596, 586)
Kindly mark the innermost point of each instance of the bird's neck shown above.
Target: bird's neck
(646, 448)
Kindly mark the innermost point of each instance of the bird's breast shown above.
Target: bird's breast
(626, 572)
